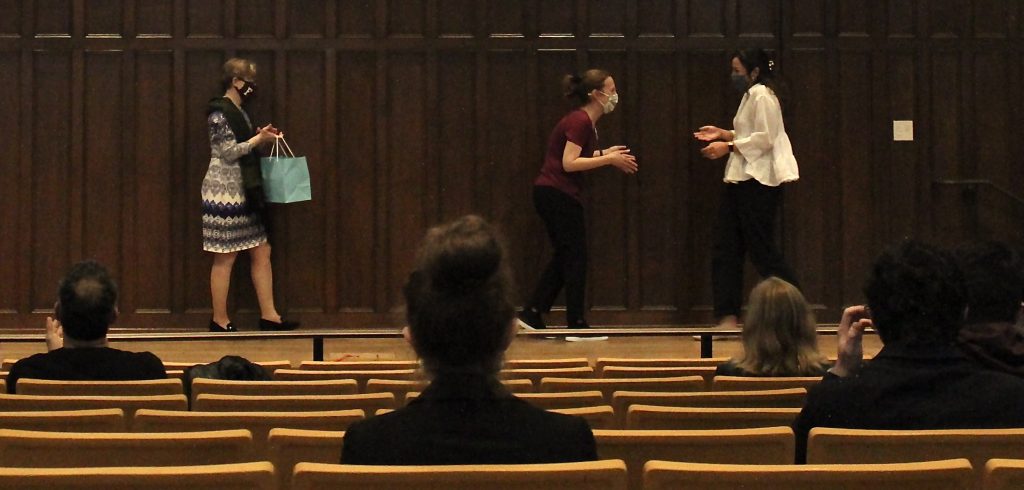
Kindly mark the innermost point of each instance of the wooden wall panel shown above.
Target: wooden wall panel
(255, 18)
(457, 156)
(706, 18)
(52, 18)
(757, 18)
(308, 18)
(556, 18)
(357, 18)
(10, 22)
(154, 18)
(407, 18)
(10, 170)
(902, 156)
(205, 19)
(103, 159)
(458, 18)
(854, 17)
(607, 18)
(506, 17)
(104, 18)
(902, 18)
(657, 18)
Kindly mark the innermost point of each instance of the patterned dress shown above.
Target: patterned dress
(228, 223)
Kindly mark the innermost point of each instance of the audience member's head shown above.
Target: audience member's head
(86, 302)
(994, 281)
(779, 334)
(459, 299)
(916, 295)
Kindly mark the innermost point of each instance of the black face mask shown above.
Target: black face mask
(247, 91)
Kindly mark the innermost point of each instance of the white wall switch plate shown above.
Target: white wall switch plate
(903, 130)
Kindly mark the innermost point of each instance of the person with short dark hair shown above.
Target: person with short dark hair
(994, 278)
(920, 379)
(461, 320)
(77, 337)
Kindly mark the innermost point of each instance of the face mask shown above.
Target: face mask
(247, 91)
(609, 106)
(740, 83)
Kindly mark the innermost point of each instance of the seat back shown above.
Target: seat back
(743, 446)
(706, 372)
(741, 383)
(289, 447)
(599, 417)
(608, 386)
(368, 402)
(932, 475)
(1003, 474)
(98, 420)
(203, 386)
(129, 404)
(569, 399)
(358, 365)
(789, 398)
(536, 374)
(149, 387)
(610, 475)
(688, 418)
(361, 376)
(34, 449)
(603, 362)
(546, 363)
(240, 476)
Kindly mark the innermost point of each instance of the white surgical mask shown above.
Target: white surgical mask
(609, 106)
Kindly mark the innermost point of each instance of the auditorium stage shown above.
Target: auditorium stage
(182, 345)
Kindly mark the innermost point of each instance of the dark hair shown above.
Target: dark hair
(767, 74)
(577, 88)
(994, 281)
(233, 368)
(916, 295)
(87, 301)
(458, 298)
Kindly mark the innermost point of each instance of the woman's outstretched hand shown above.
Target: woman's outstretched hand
(622, 159)
(710, 133)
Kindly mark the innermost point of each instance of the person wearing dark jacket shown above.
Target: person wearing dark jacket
(461, 321)
(992, 333)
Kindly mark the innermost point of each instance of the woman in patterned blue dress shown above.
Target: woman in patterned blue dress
(233, 203)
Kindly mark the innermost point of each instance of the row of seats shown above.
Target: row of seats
(765, 451)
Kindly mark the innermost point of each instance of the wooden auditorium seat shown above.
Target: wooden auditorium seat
(569, 399)
(98, 420)
(129, 404)
(405, 391)
(240, 476)
(205, 386)
(358, 365)
(546, 363)
(788, 398)
(289, 447)
(34, 449)
(599, 417)
(536, 374)
(605, 475)
(741, 446)
(1003, 474)
(608, 386)
(361, 376)
(741, 383)
(659, 372)
(603, 362)
(689, 418)
(368, 402)
(150, 387)
(953, 474)
(269, 366)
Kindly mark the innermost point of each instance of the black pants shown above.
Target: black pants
(746, 223)
(563, 218)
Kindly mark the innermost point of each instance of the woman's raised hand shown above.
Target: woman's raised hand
(621, 159)
(268, 134)
(709, 133)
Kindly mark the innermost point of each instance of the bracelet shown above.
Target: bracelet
(732, 147)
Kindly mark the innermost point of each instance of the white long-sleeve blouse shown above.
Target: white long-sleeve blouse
(764, 151)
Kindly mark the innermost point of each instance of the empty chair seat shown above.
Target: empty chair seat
(740, 383)
(368, 402)
(608, 386)
(289, 447)
(546, 363)
(743, 446)
(150, 387)
(689, 418)
(603, 362)
(129, 404)
(204, 386)
(536, 374)
(359, 365)
(361, 376)
(599, 417)
(569, 399)
(606, 475)
(934, 475)
(34, 449)
(659, 372)
(98, 420)
(1003, 474)
(789, 398)
(239, 476)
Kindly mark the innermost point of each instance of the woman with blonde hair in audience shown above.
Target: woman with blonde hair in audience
(461, 320)
(779, 336)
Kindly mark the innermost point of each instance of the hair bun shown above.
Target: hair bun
(465, 269)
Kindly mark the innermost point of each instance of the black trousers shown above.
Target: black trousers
(746, 224)
(563, 218)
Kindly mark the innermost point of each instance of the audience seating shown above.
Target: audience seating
(535, 375)
(612, 372)
(98, 420)
(605, 475)
(368, 402)
(1003, 474)
(289, 447)
(7, 364)
(609, 386)
(835, 446)
(599, 417)
(129, 404)
(546, 363)
(741, 383)
(789, 398)
(3, 377)
(690, 418)
(744, 446)
(3, 385)
(150, 387)
(359, 365)
(603, 362)
(405, 391)
(258, 423)
(570, 399)
(933, 475)
(269, 366)
(89, 449)
(361, 376)
(205, 386)
(241, 476)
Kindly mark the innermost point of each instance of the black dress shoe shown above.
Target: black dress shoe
(530, 319)
(283, 325)
(215, 327)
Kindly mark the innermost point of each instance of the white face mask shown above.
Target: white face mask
(609, 106)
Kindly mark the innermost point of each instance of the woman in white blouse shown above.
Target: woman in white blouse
(760, 160)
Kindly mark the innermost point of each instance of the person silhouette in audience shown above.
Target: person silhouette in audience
(461, 320)
(920, 379)
(780, 335)
(992, 334)
(76, 339)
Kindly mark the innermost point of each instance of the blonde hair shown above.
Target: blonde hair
(779, 335)
(237, 68)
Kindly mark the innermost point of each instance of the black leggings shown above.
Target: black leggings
(746, 223)
(563, 218)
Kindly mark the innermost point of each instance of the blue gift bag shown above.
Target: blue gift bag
(285, 176)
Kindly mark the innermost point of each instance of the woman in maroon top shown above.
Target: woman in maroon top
(572, 149)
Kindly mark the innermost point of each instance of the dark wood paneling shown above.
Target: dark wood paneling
(407, 18)
(103, 158)
(658, 17)
(307, 18)
(902, 21)
(808, 18)
(607, 17)
(10, 22)
(357, 18)
(458, 133)
(948, 18)
(458, 18)
(254, 18)
(757, 18)
(556, 18)
(10, 169)
(104, 18)
(993, 18)
(706, 18)
(506, 17)
(154, 18)
(205, 18)
(52, 18)
(853, 18)
(902, 156)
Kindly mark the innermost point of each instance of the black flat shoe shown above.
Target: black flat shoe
(284, 325)
(531, 320)
(215, 327)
